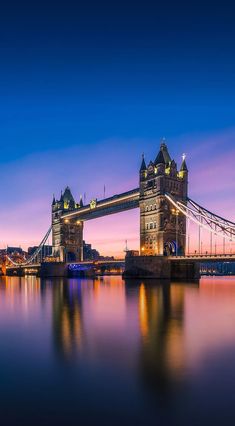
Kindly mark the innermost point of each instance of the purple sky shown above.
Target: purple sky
(28, 185)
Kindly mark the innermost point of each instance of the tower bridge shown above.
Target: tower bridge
(157, 221)
(165, 208)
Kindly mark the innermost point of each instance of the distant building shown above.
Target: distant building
(15, 253)
(132, 253)
(89, 253)
(14, 250)
(45, 252)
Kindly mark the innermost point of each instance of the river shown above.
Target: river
(109, 351)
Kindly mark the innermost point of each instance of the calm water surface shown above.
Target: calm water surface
(106, 351)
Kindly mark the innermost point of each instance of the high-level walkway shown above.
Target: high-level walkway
(115, 204)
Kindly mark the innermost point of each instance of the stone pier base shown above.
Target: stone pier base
(185, 270)
(53, 269)
(161, 267)
(147, 267)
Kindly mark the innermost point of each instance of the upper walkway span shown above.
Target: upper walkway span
(115, 204)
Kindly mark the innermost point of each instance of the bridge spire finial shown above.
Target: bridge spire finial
(163, 143)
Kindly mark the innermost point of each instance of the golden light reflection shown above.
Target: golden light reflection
(143, 311)
(67, 318)
(161, 319)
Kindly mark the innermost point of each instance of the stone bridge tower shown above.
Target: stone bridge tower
(162, 228)
(67, 234)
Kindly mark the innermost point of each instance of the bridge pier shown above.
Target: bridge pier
(161, 267)
(147, 267)
(15, 272)
(185, 270)
(53, 269)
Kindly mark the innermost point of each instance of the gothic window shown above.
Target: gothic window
(147, 226)
(151, 225)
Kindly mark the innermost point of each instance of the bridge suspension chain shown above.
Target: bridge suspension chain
(204, 218)
(35, 254)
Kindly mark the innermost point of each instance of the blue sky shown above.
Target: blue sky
(85, 89)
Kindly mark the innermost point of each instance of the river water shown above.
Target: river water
(114, 352)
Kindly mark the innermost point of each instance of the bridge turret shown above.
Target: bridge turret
(158, 223)
(67, 233)
(143, 169)
(183, 169)
(68, 200)
(183, 174)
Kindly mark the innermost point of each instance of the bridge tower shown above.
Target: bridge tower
(162, 228)
(67, 234)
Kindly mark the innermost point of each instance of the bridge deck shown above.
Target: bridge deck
(88, 262)
(205, 257)
(115, 204)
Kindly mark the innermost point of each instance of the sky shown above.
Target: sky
(86, 88)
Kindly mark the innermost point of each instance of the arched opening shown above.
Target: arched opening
(71, 257)
(170, 248)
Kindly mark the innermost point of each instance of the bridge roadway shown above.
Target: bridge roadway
(36, 267)
(201, 258)
(54, 267)
(115, 204)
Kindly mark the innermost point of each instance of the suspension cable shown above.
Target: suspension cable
(202, 217)
(34, 255)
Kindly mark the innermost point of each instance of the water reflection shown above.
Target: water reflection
(130, 339)
(161, 312)
(67, 317)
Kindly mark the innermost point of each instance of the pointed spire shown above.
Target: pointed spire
(183, 167)
(67, 196)
(160, 158)
(81, 201)
(53, 201)
(163, 156)
(143, 164)
(61, 196)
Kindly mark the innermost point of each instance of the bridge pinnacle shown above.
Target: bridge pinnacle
(143, 164)
(163, 156)
(183, 167)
